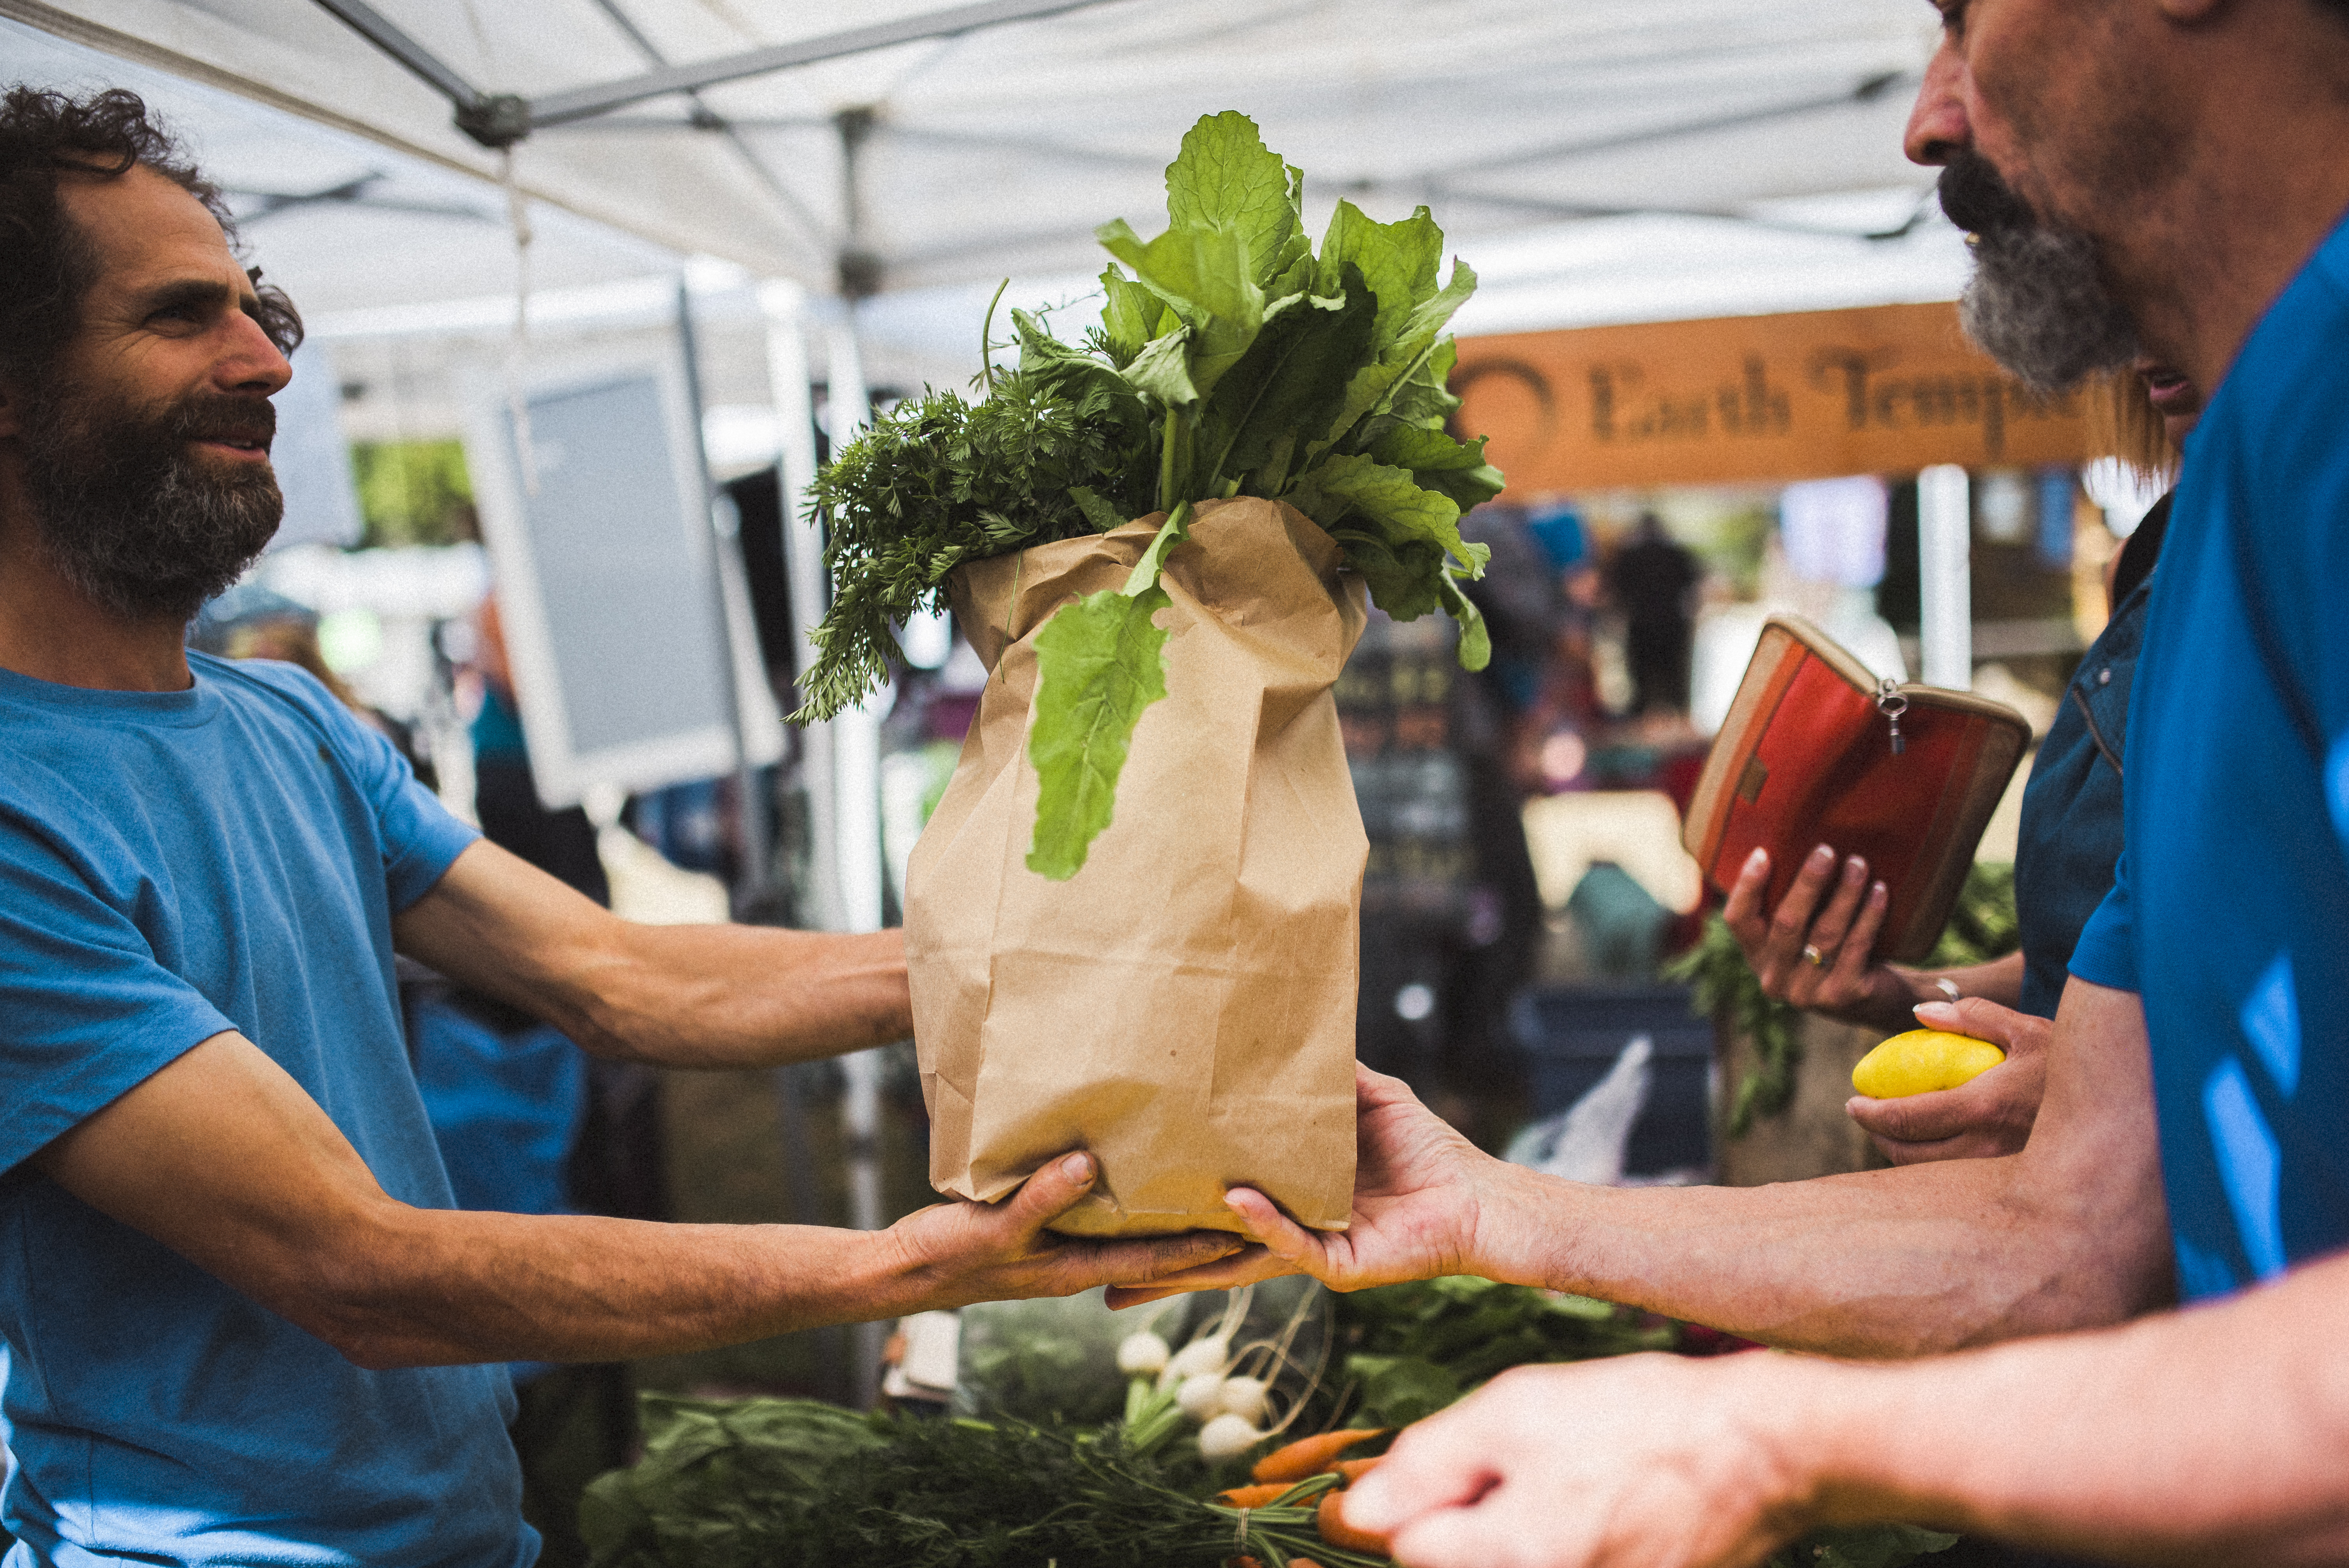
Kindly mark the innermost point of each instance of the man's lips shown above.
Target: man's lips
(2169, 392)
(243, 447)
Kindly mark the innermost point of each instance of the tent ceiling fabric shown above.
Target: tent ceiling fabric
(996, 151)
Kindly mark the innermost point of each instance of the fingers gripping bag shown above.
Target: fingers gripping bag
(1182, 1006)
(1133, 920)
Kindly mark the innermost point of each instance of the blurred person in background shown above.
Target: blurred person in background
(243, 1322)
(1653, 580)
(560, 842)
(1816, 949)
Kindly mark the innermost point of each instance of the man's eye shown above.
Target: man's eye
(1953, 16)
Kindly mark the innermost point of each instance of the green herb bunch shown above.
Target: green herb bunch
(1057, 450)
(1727, 991)
(1232, 359)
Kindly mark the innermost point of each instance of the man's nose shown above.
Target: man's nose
(252, 362)
(1938, 126)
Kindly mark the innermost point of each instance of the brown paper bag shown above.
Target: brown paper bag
(1183, 1008)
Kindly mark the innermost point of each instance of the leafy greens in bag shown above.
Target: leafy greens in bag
(1231, 360)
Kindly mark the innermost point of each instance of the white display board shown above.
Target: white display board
(608, 578)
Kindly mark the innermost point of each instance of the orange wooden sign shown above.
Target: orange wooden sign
(1889, 389)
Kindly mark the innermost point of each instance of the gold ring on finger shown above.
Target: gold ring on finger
(1817, 959)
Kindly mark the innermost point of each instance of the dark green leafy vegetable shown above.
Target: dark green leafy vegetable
(1231, 360)
(782, 1483)
(1862, 1546)
(1414, 1348)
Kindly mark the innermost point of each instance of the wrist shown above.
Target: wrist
(1811, 1424)
(1532, 1230)
(1842, 1439)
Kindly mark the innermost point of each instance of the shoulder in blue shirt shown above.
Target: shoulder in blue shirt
(2231, 911)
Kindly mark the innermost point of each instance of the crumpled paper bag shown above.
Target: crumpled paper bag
(1183, 1008)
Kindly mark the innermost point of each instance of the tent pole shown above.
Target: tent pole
(856, 761)
(784, 306)
(1945, 577)
(585, 103)
(726, 574)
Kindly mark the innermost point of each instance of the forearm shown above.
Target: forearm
(682, 996)
(1895, 990)
(407, 1287)
(737, 995)
(2204, 1438)
(2071, 1232)
(1878, 1264)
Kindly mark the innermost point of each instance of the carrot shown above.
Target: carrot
(1307, 1456)
(1338, 1532)
(1253, 1496)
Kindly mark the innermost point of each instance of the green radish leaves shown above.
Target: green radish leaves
(1099, 662)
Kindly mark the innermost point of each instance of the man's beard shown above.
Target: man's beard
(129, 515)
(2036, 302)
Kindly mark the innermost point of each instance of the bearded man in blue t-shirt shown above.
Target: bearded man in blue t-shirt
(2159, 175)
(240, 1319)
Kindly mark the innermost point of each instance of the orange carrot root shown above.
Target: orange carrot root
(1307, 1456)
(1355, 1469)
(1334, 1530)
(1253, 1496)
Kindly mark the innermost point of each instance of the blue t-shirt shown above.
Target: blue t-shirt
(2231, 911)
(173, 865)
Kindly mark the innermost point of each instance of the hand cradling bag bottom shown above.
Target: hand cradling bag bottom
(1183, 1007)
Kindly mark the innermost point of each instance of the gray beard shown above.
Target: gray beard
(126, 516)
(2037, 304)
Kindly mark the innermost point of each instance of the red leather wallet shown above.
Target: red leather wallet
(1817, 750)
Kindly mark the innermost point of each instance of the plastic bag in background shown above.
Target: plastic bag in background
(1183, 1008)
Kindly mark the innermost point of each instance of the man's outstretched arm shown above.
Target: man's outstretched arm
(223, 1158)
(683, 995)
(2203, 1438)
(2070, 1233)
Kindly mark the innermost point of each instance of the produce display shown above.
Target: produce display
(1923, 1060)
(788, 1483)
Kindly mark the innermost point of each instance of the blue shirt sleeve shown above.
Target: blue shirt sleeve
(2106, 951)
(86, 1010)
(421, 838)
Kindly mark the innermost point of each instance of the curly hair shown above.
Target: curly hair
(47, 263)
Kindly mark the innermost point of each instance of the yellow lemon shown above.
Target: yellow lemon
(1921, 1061)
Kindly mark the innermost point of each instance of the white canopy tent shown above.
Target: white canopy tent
(1681, 142)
